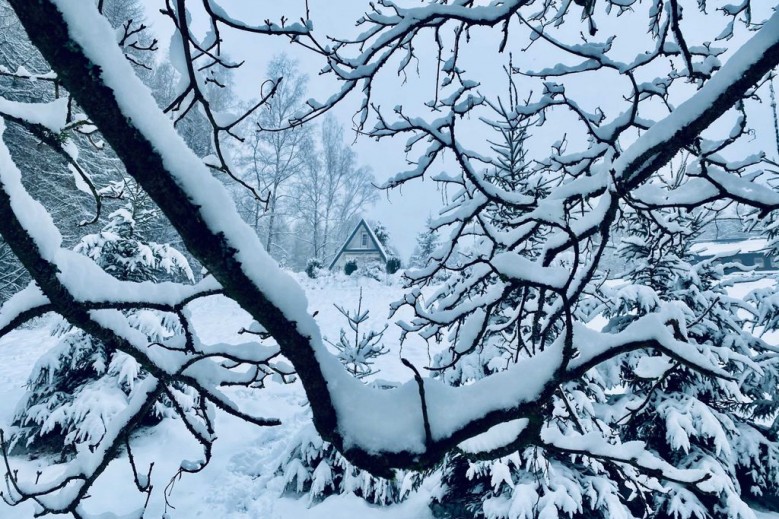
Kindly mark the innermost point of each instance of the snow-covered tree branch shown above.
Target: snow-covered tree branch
(524, 239)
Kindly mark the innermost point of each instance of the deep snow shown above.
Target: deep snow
(234, 485)
(237, 484)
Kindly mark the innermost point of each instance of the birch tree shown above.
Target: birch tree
(333, 190)
(532, 268)
(277, 155)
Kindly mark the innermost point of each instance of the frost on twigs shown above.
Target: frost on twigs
(358, 350)
(643, 384)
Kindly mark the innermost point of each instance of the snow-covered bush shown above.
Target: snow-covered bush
(78, 385)
(313, 268)
(312, 467)
(393, 264)
(372, 269)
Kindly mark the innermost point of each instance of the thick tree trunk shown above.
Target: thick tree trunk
(48, 31)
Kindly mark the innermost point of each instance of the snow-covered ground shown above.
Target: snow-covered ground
(237, 483)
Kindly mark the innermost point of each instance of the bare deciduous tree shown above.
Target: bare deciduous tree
(277, 153)
(613, 169)
(333, 190)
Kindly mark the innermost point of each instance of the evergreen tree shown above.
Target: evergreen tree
(725, 429)
(688, 419)
(78, 385)
(694, 421)
(382, 234)
(427, 243)
(120, 250)
(359, 351)
(311, 466)
(393, 264)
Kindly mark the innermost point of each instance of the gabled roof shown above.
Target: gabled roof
(377, 246)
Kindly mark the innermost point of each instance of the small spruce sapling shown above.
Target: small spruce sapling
(359, 352)
(311, 465)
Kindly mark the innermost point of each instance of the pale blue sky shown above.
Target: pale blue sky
(405, 211)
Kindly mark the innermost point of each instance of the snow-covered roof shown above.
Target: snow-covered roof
(729, 248)
(377, 246)
(731, 229)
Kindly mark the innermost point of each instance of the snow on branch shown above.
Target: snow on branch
(560, 219)
(62, 278)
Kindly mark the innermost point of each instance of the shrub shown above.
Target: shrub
(313, 266)
(374, 270)
(350, 267)
(393, 264)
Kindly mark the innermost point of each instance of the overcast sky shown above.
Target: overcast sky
(404, 211)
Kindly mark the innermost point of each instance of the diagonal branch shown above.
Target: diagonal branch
(73, 40)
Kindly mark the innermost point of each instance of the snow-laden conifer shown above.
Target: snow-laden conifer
(312, 466)
(77, 386)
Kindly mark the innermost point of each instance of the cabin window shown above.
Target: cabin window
(364, 240)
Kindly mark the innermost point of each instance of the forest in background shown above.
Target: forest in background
(549, 386)
(301, 189)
